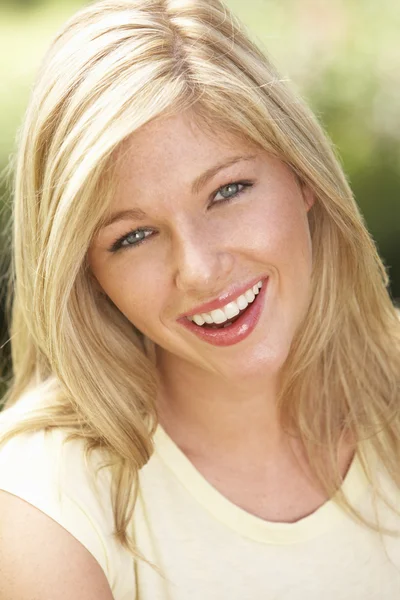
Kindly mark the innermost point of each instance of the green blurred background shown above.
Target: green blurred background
(343, 56)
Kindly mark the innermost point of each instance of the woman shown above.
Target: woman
(206, 358)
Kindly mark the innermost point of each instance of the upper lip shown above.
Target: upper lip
(231, 294)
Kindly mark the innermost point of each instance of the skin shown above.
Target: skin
(218, 404)
(198, 247)
(42, 560)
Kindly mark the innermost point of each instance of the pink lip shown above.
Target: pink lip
(234, 292)
(236, 332)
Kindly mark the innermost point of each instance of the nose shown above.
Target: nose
(202, 264)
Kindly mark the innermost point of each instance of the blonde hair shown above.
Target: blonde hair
(114, 66)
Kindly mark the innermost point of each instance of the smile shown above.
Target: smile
(231, 323)
(227, 313)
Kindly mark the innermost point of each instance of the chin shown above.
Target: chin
(264, 362)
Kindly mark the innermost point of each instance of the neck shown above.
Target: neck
(204, 413)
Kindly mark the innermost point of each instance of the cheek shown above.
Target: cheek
(134, 287)
(276, 228)
(140, 298)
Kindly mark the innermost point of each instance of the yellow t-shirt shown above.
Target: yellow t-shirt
(206, 547)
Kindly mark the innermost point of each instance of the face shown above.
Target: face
(208, 217)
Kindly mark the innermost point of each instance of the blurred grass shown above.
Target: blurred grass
(24, 37)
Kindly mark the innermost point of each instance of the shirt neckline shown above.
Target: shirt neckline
(326, 517)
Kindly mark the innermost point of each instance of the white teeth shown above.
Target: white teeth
(230, 310)
(218, 316)
(198, 320)
(242, 302)
(249, 295)
(207, 318)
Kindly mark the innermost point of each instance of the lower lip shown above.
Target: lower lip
(238, 331)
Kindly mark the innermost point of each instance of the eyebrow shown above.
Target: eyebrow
(202, 179)
(199, 182)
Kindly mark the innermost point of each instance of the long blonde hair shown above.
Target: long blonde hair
(114, 66)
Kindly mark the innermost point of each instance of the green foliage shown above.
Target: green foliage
(19, 3)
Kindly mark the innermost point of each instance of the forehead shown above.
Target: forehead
(175, 149)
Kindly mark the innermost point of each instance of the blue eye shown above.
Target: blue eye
(137, 236)
(133, 238)
(232, 190)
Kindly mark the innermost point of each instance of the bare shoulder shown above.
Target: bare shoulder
(41, 559)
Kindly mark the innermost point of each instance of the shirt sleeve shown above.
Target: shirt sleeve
(52, 474)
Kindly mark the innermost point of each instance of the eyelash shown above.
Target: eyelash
(117, 245)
